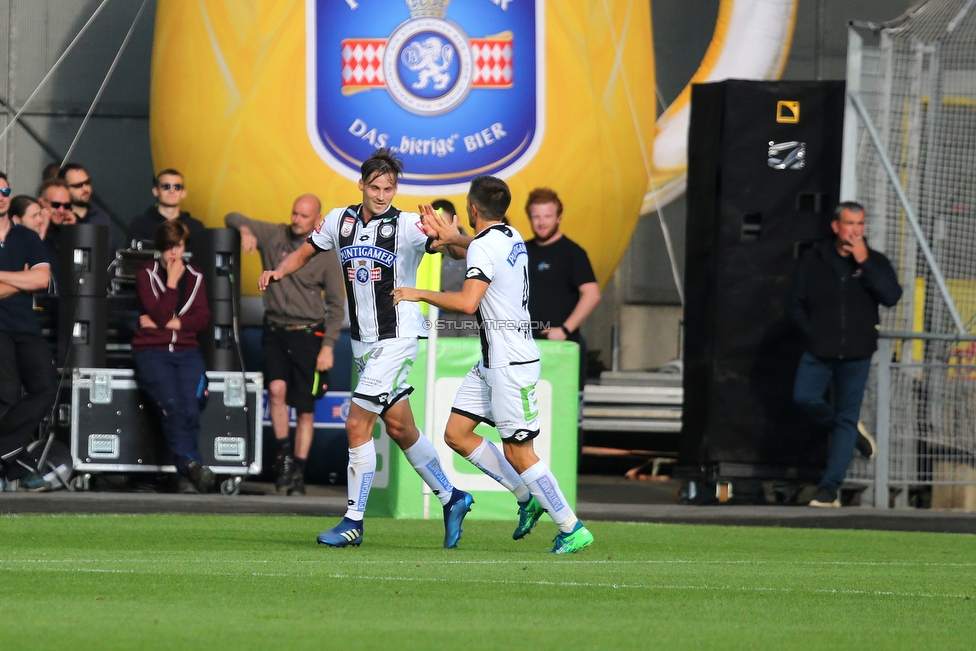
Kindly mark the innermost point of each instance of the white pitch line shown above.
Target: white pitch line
(545, 583)
(638, 586)
(551, 562)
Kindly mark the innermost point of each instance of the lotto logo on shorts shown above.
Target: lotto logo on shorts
(455, 88)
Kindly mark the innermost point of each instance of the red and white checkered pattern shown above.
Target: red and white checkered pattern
(362, 62)
(375, 273)
(492, 63)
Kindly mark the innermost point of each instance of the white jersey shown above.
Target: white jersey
(376, 258)
(497, 256)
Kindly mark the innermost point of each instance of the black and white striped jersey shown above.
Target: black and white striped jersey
(376, 257)
(497, 256)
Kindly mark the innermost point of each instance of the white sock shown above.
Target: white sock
(495, 465)
(544, 487)
(423, 457)
(359, 473)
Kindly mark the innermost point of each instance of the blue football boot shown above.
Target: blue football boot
(454, 512)
(348, 532)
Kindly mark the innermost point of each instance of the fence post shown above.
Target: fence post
(883, 424)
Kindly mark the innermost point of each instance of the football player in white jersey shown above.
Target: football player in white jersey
(500, 389)
(379, 248)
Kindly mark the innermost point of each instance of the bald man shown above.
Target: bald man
(302, 318)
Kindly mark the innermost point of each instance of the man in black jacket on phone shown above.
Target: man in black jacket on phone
(834, 301)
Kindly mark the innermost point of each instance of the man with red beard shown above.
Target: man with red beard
(564, 291)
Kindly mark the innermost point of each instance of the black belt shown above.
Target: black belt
(310, 327)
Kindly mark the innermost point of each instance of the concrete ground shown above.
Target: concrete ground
(599, 497)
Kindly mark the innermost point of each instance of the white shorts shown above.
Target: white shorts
(503, 398)
(383, 367)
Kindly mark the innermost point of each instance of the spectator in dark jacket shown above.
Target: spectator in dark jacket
(79, 183)
(169, 190)
(173, 301)
(834, 301)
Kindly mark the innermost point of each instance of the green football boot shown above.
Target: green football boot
(572, 542)
(529, 514)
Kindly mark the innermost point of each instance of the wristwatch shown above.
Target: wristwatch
(565, 331)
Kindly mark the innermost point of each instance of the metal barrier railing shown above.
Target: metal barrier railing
(921, 405)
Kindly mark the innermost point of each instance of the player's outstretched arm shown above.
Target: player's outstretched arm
(292, 263)
(465, 301)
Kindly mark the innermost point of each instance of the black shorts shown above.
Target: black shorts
(290, 355)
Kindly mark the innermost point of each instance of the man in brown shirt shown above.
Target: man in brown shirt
(300, 330)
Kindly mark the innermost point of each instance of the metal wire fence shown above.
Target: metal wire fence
(922, 414)
(910, 151)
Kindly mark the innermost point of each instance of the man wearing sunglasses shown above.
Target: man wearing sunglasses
(54, 197)
(55, 200)
(79, 185)
(169, 190)
(28, 382)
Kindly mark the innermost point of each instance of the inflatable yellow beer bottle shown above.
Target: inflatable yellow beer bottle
(258, 101)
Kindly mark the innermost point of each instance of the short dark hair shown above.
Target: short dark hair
(492, 197)
(50, 183)
(20, 204)
(853, 206)
(381, 163)
(169, 171)
(4, 177)
(170, 233)
(70, 167)
(544, 195)
(445, 205)
(50, 171)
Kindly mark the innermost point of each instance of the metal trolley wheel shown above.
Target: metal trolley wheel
(231, 486)
(82, 481)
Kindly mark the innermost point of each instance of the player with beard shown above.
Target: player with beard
(500, 389)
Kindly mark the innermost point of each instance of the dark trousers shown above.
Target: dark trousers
(848, 377)
(28, 385)
(177, 382)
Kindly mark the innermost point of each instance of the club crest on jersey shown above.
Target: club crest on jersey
(363, 273)
(455, 89)
(347, 224)
(386, 230)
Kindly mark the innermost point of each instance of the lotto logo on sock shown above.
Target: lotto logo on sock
(439, 475)
(550, 492)
(364, 491)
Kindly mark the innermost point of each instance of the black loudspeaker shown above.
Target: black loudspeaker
(217, 342)
(82, 325)
(85, 256)
(217, 255)
(763, 178)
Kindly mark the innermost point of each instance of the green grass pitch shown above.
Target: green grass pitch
(261, 582)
